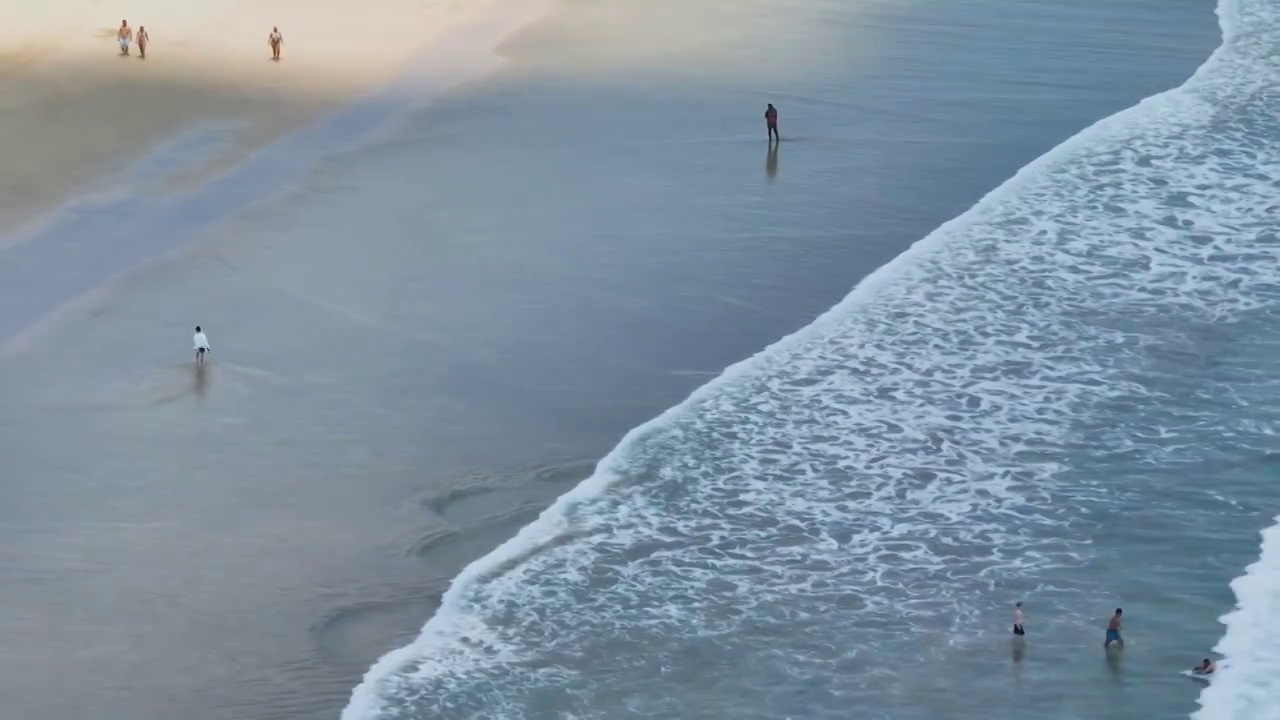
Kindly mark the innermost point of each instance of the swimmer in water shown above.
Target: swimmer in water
(1205, 668)
(1113, 631)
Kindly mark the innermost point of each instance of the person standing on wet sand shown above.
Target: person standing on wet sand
(143, 37)
(1017, 620)
(771, 120)
(201, 344)
(123, 36)
(275, 40)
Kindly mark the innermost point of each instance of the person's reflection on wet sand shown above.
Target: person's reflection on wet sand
(1019, 649)
(201, 380)
(771, 161)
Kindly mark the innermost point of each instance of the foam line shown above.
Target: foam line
(1017, 208)
(1247, 684)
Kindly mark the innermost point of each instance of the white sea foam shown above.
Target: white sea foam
(1248, 684)
(888, 465)
(1247, 687)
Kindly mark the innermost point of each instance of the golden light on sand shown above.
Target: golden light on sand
(74, 106)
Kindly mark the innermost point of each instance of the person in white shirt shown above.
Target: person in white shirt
(202, 345)
(1017, 620)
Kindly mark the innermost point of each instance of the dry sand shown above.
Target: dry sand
(72, 107)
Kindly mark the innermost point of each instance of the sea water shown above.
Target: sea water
(1064, 396)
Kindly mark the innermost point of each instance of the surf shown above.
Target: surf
(1247, 683)
(841, 475)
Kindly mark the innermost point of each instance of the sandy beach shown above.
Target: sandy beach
(79, 108)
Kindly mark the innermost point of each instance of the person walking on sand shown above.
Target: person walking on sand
(143, 37)
(275, 40)
(1017, 620)
(1113, 632)
(771, 120)
(123, 36)
(201, 344)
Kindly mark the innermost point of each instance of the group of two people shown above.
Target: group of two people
(124, 36)
(1113, 638)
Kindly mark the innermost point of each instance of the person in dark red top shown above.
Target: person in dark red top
(771, 119)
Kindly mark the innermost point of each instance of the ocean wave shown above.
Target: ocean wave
(1247, 686)
(888, 466)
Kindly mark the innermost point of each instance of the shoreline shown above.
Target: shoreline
(447, 624)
